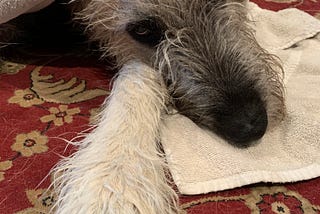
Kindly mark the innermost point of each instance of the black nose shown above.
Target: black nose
(243, 122)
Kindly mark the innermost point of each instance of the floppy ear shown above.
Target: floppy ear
(93, 12)
(98, 17)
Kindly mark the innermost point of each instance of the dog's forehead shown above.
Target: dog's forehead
(174, 14)
(139, 4)
(165, 8)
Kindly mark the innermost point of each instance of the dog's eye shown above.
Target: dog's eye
(149, 31)
(142, 31)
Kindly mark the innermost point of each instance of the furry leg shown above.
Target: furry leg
(118, 168)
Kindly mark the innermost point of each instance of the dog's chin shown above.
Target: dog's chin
(243, 144)
(237, 142)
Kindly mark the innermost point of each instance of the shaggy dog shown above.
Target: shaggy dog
(215, 72)
(197, 56)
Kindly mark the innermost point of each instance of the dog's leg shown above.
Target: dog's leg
(119, 168)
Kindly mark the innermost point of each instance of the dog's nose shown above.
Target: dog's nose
(244, 123)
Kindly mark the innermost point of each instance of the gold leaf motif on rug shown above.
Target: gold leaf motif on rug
(62, 91)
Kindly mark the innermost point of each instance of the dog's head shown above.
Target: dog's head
(215, 71)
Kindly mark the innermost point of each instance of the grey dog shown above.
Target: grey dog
(214, 71)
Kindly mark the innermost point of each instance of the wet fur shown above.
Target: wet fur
(209, 48)
(207, 65)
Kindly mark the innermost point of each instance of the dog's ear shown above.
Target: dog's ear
(96, 12)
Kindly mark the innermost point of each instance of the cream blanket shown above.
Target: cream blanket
(201, 162)
(10, 9)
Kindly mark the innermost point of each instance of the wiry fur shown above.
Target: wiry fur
(211, 66)
(208, 57)
(119, 167)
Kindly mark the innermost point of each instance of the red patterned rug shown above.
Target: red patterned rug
(69, 90)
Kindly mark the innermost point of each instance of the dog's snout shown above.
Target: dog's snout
(243, 123)
(248, 125)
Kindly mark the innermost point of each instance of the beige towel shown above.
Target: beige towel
(201, 162)
(10, 9)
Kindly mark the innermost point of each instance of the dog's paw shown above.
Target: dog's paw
(102, 182)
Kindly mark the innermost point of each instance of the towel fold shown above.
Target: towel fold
(201, 162)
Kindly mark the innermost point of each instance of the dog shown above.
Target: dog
(199, 57)
(216, 73)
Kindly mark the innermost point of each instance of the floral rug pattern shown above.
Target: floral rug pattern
(45, 105)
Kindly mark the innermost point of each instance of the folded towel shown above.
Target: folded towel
(201, 162)
(10, 9)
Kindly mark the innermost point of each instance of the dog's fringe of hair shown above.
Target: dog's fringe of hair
(231, 27)
(119, 167)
